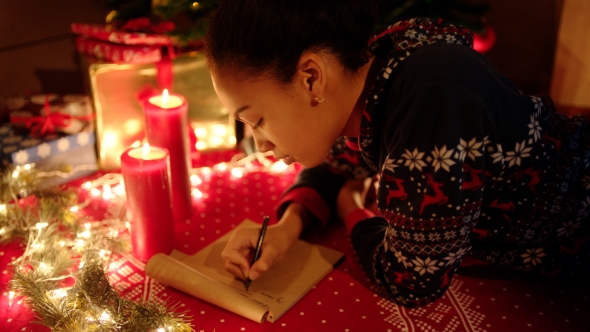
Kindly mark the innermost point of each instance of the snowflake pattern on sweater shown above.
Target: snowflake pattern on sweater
(466, 164)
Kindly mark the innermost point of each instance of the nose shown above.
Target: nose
(262, 144)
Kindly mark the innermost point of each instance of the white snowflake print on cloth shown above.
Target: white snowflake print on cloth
(533, 256)
(535, 129)
(83, 138)
(424, 266)
(43, 150)
(63, 144)
(520, 151)
(414, 159)
(21, 157)
(469, 149)
(442, 158)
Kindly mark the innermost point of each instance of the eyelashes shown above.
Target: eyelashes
(259, 124)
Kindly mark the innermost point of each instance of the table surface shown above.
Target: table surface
(478, 299)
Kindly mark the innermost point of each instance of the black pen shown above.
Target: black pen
(258, 247)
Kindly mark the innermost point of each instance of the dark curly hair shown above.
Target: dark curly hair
(267, 37)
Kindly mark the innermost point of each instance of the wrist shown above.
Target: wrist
(293, 221)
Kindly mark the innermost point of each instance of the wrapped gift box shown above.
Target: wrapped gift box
(25, 107)
(49, 151)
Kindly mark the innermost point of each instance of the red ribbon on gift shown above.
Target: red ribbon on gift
(45, 124)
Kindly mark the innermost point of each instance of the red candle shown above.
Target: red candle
(146, 173)
(166, 126)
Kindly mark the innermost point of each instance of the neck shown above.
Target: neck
(369, 76)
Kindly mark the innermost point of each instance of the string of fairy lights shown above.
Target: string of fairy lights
(69, 289)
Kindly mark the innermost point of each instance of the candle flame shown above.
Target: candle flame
(165, 97)
(146, 149)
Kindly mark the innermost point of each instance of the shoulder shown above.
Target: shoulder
(451, 64)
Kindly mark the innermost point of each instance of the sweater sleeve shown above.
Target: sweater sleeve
(317, 188)
(430, 193)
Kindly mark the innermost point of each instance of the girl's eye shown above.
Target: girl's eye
(259, 124)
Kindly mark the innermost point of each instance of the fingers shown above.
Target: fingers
(237, 251)
(264, 262)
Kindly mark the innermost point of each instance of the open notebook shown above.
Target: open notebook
(203, 275)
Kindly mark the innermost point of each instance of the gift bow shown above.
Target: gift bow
(45, 124)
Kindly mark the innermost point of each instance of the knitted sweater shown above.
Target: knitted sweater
(465, 163)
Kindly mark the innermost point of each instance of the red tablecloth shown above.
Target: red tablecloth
(344, 300)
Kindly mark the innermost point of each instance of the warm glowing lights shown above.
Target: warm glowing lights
(59, 293)
(107, 192)
(215, 141)
(146, 149)
(105, 316)
(10, 298)
(279, 167)
(136, 144)
(196, 180)
(95, 192)
(75, 208)
(41, 225)
(200, 132)
(201, 145)
(196, 193)
(236, 173)
(15, 174)
(2, 230)
(3, 209)
(219, 130)
(222, 167)
(165, 97)
(87, 185)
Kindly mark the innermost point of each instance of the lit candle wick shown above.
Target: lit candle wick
(146, 149)
(165, 97)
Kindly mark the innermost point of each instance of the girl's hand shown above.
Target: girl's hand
(278, 240)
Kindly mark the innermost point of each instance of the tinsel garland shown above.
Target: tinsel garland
(62, 246)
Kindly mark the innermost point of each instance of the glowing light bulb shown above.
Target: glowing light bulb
(74, 208)
(41, 225)
(206, 170)
(221, 167)
(87, 185)
(59, 293)
(95, 192)
(200, 132)
(15, 174)
(107, 192)
(3, 209)
(196, 193)
(105, 316)
(278, 167)
(236, 173)
(10, 297)
(196, 180)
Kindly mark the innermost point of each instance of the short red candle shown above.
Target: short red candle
(167, 127)
(146, 173)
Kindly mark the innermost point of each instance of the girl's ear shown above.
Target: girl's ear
(311, 76)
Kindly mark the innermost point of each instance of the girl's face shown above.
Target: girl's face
(284, 119)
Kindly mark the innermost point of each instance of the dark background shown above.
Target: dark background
(37, 50)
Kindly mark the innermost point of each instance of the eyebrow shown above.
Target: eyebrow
(240, 110)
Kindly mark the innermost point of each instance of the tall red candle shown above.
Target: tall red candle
(166, 126)
(146, 174)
